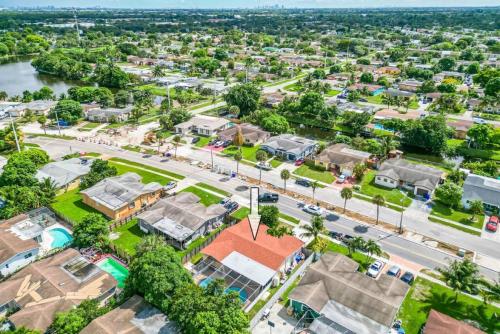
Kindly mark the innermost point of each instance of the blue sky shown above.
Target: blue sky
(248, 4)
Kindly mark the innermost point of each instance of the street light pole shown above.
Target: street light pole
(57, 120)
(401, 219)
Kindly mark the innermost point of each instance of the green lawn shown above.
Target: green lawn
(132, 148)
(363, 260)
(206, 199)
(289, 218)
(485, 154)
(147, 177)
(458, 227)
(292, 87)
(213, 189)
(70, 205)
(89, 126)
(377, 99)
(154, 169)
(248, 153)
(92, 154)
(394, 196)
(200, 241)
(275, 163)
(425, 295)
(114, 125)
(203, 141)
(130, 236)
(333, 92)
(315, 174)
(241, 213)
(459, 216)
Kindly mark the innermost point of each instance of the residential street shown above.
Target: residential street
(392, 243)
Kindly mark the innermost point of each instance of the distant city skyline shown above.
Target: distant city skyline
(246, 4)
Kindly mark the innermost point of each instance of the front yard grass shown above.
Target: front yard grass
(247, 152)
(241, 213)
(130, 235)
(394, 196)
(458, 227)
(70, 205)
(154, 169)
(315, 174)
(203, 141)
(206, 198)
(89, 126)
(459, 216)
(147, 177)
(213, 189)
(425, 295)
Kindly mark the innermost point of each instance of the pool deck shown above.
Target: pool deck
(47, 239)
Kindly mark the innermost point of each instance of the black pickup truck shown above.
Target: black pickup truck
(268, 197)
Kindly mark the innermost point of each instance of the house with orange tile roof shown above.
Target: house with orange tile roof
(248, 265)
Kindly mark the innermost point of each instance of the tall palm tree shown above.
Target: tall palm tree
(489, 291)
(48, 187)
(378, 200)
(285, 175)
(476, 208)
(160, 137)
(3, 95)
(388, 144)
(387, 99)
(238, 157)
(314, 186)
(157, 71)
(461, 275)
(176, 140)
(355, 244)
(261, 156)
(372, 248)
(346, 194)
(249, 61)
(314, 229)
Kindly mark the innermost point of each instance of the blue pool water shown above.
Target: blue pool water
(61, 237)
(242, 292)
(204, 283)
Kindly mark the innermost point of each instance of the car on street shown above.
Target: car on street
(195, 140)
(303, 182)
(147, 156)
(336, 235)
(313, 210)
(264, 165)
(478, 120)
(408, 278)
(492, 224)
(299, 162)
(394, 271)
(375, 269)
(268, 197)
(170, 185)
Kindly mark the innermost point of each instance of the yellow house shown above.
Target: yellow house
(121, 196)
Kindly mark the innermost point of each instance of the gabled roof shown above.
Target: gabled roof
(135, 316)
(334, 277)
(65, 171)
(420, 175)
(266, 249)
(439, 323)
(289, 143)
(341, 154)
(483, 188)
(53, 285)
(115, 192)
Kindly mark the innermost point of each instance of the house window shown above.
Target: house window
(131, 205)
(385, 180)
(28, 255)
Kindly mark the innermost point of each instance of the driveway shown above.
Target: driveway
(283, 323)
(485, 234)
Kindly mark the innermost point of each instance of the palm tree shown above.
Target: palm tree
(249, 61)
(461, 275)
(285, 175)
(3, 95)
(261, 156)
(476, 208)
(388, 144)
(354, 244)
(489, 291)
(314, 186)
(238, 157)
(346, 193)
(387, 99)
(371, 247)
(42, 120)
(378, 200)
(160, 136)
(314, 229)
(176, 140)
(407, 101)
(48, 187)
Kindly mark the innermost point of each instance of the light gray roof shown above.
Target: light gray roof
(181, 215)
(115, 192)
(108, 112)
(334, 277)
(420, 175)
(477, 187)
(340, 154)
(65, 171)
(289, 143)
(38, 105)
(249, 268)
(204, 122)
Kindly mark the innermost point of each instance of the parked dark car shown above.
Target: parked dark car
(336, 235)
(303, 182)
(408, 278)
(195, 140)
(227, 143)
(231, 206)
(394, 271)
(147, 156)
(268, 197)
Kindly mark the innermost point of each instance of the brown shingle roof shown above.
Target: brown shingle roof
(11, 244)
(439, 323)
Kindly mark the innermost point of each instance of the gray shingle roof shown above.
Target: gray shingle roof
(65, 171)
(289, 143)
(483, 188)
(115, 192)
(420, 175)
(334, 277)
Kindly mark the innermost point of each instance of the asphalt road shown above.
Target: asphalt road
(391, 243)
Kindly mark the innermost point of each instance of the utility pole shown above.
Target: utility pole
(401, 219)
(76, 26)
(15, 133)
(168, 95)
(57, 120)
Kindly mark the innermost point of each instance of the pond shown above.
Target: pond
(17, 75)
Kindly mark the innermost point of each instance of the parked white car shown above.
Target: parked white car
(313, 210)
(375, 269)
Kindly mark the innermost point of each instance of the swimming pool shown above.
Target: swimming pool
(205, 282)
(242, 292)
(60, 237)
(115, 269)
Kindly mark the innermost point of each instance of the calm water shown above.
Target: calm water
(17, 75)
